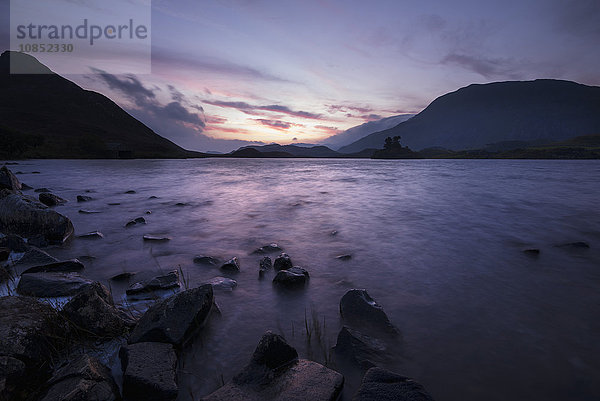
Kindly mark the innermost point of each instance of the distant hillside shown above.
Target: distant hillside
(294, 150)
(43, 115)
(360, 131)
(477, 115)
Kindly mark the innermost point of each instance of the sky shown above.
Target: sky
(226, 73)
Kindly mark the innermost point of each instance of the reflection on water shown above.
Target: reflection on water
(438, 243)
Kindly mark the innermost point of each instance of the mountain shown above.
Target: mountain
(543, 110)
(360, 131)
(294, 150)
(43, 115)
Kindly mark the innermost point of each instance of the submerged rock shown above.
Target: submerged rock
(84, 198)
(174, 320)
(265, 264)
(232, 265)
(271, 248)
(359, 348)
(25, 187)
(221, 283)
(8, 180)
(158, 283)
(43, 189)
(382, 385)
(65, 266)
(156, 238)
(137, 220)
(275, 373)
(206, 260)
(83, 379)
(149, 371)
(85, 211)
(94, 311)
(344, 257)
(91, 235)
(28, 218)
(283, 262)
(122, 276)
(49, 199)
(532, 252)
(359, 310)
(294, 277)
(51, 285)
(131, 191)
(575, 245)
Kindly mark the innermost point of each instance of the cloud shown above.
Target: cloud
(334, 108)
(487, 67)
(256, 110)
(327, 129)
(276, 124)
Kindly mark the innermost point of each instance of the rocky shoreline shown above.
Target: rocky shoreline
(48, 349)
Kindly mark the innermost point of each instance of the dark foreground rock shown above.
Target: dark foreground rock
(93, 313)
(34, 256)
(28, 218)
(359, 310)
(174, 320)
(65, 266)
(12, 371)
(283, 262)
(49, 199)
(28, 328)
(291, 278)
(382, 385)
(158, 283)
(275, 373)
(360, 349)
(8, 180)
(82, 379)
(149, 371)
(51, 285)
(232, 265)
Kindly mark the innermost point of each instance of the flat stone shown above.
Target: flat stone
(91, 235)
(382, 385)
(85, 211)
(294, 277)
(174, 320)
(156, 238)
(158, 283)
(83, 379)
(65, 266)
(221, 283)
(149, 371)
(50, 285)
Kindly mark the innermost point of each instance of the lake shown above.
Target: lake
(438, 243)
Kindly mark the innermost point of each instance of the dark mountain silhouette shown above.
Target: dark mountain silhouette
(294, 150)
(43, 115)
(472, 117)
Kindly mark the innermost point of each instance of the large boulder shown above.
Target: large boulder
(8, 180)
(34, 256)
(359, 310)
(283, 262)
(83, 379)
(28, 329)
(232, 265)
(65, 266)
(174, 320)
(382, 385)
(291, 278)
(93, 312)
(275, 373)
(25, 216)
(50, 285)
(12, 371)
(149, 371)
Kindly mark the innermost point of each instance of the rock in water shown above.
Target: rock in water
(267, 249)
(84, 198)
(91, 235)
(156, 238)
(344, 257)
(51, 285)
(8, 180)
(93, 310)
(206, 260)
(83, 379)
(66, 266)
(382, 385)
(122, 276)
(175, 319)
(275, 373)
(359, 310)
(221, 283)
(232, 265)
(264, 265)
(50, 199)
(28, 218)
(358, 348)
(294, 277)
(137, 220)
(282, 262)
(158, 283)
(149, 371)
(43, 189)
